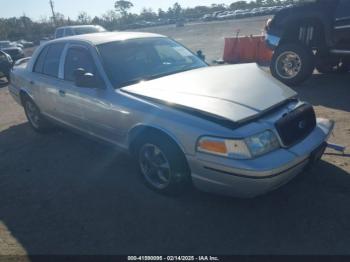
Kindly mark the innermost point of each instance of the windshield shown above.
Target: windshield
(5, 44)
(136, 60)
(88, 30)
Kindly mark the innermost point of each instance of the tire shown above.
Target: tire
(339, 68)
(344, 68)
(328, 64)
(292, 64)
(36, 120)
(163, 166)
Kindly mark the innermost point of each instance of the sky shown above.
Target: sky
(37, 9)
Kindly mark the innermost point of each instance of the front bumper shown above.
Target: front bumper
(272, 41)
(250, 178)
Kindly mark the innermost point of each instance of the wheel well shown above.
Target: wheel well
(310, 32)
(140, 132)
(23, 95)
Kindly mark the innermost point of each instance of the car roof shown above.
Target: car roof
(106, 37)
(77, 26)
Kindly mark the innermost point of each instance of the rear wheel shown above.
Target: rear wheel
(328, 64)
(292, 64)
(163, 165)
(36, 120)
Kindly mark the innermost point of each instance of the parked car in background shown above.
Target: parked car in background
(184, 121)
(207, 17)
(17, 44)
(14, 51)
(226, 15)
(44, 40)
(180, 22)
(242, 13)
(26, 44)
(78, 30)
(5, 65)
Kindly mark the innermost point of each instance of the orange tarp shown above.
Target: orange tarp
(248, 49)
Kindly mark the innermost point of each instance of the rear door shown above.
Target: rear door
(46, 80)
(342, 20)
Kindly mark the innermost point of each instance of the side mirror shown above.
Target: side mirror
(84, 79)
(79, 72)
(201, 55)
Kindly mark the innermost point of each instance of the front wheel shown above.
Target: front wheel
(292, 64)
(163, 165)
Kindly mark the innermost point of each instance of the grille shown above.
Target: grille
(297, 125)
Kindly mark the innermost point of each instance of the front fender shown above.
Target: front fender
(139, 128)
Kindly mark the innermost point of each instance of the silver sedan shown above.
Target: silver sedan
(226, 129)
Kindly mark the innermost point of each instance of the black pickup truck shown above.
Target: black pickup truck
(313, 34)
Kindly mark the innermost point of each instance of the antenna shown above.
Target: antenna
(53, 12)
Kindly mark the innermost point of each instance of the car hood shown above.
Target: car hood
(233, 92)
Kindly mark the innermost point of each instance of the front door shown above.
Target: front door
(89, 109)
(69, 95)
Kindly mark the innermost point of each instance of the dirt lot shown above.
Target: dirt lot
(64, 194)
(209, 37)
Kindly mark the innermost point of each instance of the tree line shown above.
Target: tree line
(118, 18)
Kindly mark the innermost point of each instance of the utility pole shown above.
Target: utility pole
(53, 12)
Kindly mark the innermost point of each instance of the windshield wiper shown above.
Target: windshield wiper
(182, 69)
(155, 76)
(131, 82)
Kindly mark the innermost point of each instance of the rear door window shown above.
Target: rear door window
(52, 60)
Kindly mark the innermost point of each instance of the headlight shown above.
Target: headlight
(262, 143)
(248, 148)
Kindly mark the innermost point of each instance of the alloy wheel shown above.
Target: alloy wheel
(33, 113)
(155, 166)
(288, 65)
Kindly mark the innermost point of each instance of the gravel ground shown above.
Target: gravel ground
(65, 194)
(209, 37)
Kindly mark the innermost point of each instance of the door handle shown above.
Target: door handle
(62, 93)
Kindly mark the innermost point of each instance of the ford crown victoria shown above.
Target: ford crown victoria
(226, 129)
